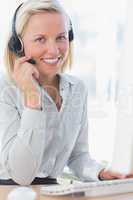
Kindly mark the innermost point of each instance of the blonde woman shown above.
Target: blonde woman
(43, 120)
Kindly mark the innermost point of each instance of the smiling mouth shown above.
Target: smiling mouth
(51, 61)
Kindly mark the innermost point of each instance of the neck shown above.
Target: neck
(49, 80)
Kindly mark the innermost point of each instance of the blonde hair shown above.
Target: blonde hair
(29, 8)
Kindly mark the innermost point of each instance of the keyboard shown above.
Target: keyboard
(90, 189)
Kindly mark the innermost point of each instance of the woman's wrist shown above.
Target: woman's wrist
(33, 100)
(101, 175)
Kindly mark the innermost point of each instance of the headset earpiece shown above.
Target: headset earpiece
(71, 34)
(15, 44)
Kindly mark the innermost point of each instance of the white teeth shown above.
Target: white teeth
(51, 61)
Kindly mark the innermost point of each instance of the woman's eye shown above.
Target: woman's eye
(41, 39)
(62, 38)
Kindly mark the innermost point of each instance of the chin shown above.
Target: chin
(49, 73)
(52, 70)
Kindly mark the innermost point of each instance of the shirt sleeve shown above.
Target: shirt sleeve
(80, 162)
(22, 140)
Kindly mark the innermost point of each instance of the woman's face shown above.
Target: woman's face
(46, 40)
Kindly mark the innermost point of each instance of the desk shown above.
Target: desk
(5, 190)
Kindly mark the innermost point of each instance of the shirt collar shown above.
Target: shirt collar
(66, 81)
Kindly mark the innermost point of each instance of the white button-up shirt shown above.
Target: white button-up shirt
(40, 143)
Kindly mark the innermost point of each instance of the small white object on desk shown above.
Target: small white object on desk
(22, 193)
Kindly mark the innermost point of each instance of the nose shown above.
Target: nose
(52, 48)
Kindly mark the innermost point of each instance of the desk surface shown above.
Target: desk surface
(5, 190)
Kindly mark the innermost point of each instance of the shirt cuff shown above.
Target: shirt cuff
(92, 173)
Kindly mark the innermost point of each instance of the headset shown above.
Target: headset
(15, 44)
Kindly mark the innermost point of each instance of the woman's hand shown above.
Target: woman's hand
(129, 176)
(26, 76)
(108, 175)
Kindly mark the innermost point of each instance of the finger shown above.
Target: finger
(26, 72)
(113, 175)
(129, 176)
(117, 175)
(20, 61)
(30, 72)
(35, 73)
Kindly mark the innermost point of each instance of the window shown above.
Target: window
(99, 32)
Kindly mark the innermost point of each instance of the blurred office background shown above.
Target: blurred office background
(99, 48)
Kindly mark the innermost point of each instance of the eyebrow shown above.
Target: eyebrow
(62, 33)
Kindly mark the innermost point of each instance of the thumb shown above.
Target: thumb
(35, 73)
